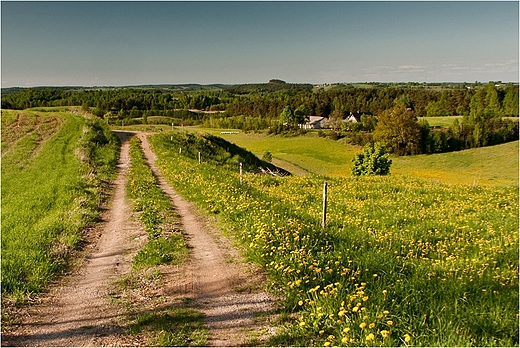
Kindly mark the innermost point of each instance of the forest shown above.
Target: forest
(252, 107)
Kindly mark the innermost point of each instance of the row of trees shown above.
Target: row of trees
(401, 133)
(269, 103)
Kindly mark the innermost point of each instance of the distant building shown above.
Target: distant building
(355, 117)
(315, 122)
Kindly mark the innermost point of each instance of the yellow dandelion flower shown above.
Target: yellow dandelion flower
(355, 309)
(363, 325)
(390, 323)
(386, 312)
(385, 333)
(331, 337)
(372, 325)
(344, 340)
(341, 313)
(322, 332)
(300, 303)
(370, 337)
(326, 344)
(346, 330)
(302, 323)
(407, 338)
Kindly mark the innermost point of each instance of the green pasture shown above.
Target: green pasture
(446, 121)
(440, 121)
(309, 154)
(300, 155)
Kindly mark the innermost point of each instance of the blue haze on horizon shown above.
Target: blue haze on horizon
(134, 43)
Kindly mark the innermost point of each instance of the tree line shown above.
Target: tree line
(269, 100)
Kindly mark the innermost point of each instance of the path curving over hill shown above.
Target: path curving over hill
(77, 311)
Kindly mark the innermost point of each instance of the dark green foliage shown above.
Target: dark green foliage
(268, 157)
(398, 130)
(372, 161)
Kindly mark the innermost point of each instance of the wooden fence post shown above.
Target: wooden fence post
(199, 157)
(240, 172)
(324, 214)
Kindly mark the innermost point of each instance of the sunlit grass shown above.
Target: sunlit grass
(309, 154)
(53, 179)
(401, 261)
(493, 165)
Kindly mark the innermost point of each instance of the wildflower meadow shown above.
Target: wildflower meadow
(401, 261)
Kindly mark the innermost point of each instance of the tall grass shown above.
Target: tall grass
(401, 261)
(51, 189)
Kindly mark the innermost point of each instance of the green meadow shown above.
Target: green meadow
(55, 167)
(300, 155)
(402, 260)
(310, 154)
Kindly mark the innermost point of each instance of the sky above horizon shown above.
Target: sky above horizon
(133, 43)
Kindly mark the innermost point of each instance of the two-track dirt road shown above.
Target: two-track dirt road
(77, 311)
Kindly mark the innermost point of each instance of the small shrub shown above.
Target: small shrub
(268, 157)
(372, 161)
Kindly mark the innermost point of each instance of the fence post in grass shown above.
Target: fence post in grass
(324, 214)
(180, 150)
(199, 157)
(240, 172)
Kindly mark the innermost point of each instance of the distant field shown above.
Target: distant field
(440, 121)
(300, 155)
(494, 165)
(445, 121)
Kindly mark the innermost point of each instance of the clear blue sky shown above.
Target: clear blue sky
(131, 43)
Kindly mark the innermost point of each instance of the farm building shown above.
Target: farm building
(315, 122)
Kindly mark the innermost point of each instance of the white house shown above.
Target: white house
(315, 122)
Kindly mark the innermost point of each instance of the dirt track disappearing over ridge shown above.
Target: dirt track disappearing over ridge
(77, 312)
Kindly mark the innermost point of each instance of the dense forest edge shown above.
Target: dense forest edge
(360, 113)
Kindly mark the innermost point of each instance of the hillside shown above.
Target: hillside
(492, 165)
(309, 154)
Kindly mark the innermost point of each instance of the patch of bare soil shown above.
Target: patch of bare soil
(82, 311)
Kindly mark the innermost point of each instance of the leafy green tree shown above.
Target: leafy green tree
(287, 117)
(510, 103)
(301, 114)
(372, 161)
(398, 130)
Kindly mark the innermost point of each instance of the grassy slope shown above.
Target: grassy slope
(300, 155)
(494, 165)
(48, 193)
(393, 261)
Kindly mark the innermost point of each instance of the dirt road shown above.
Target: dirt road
(78, 311)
